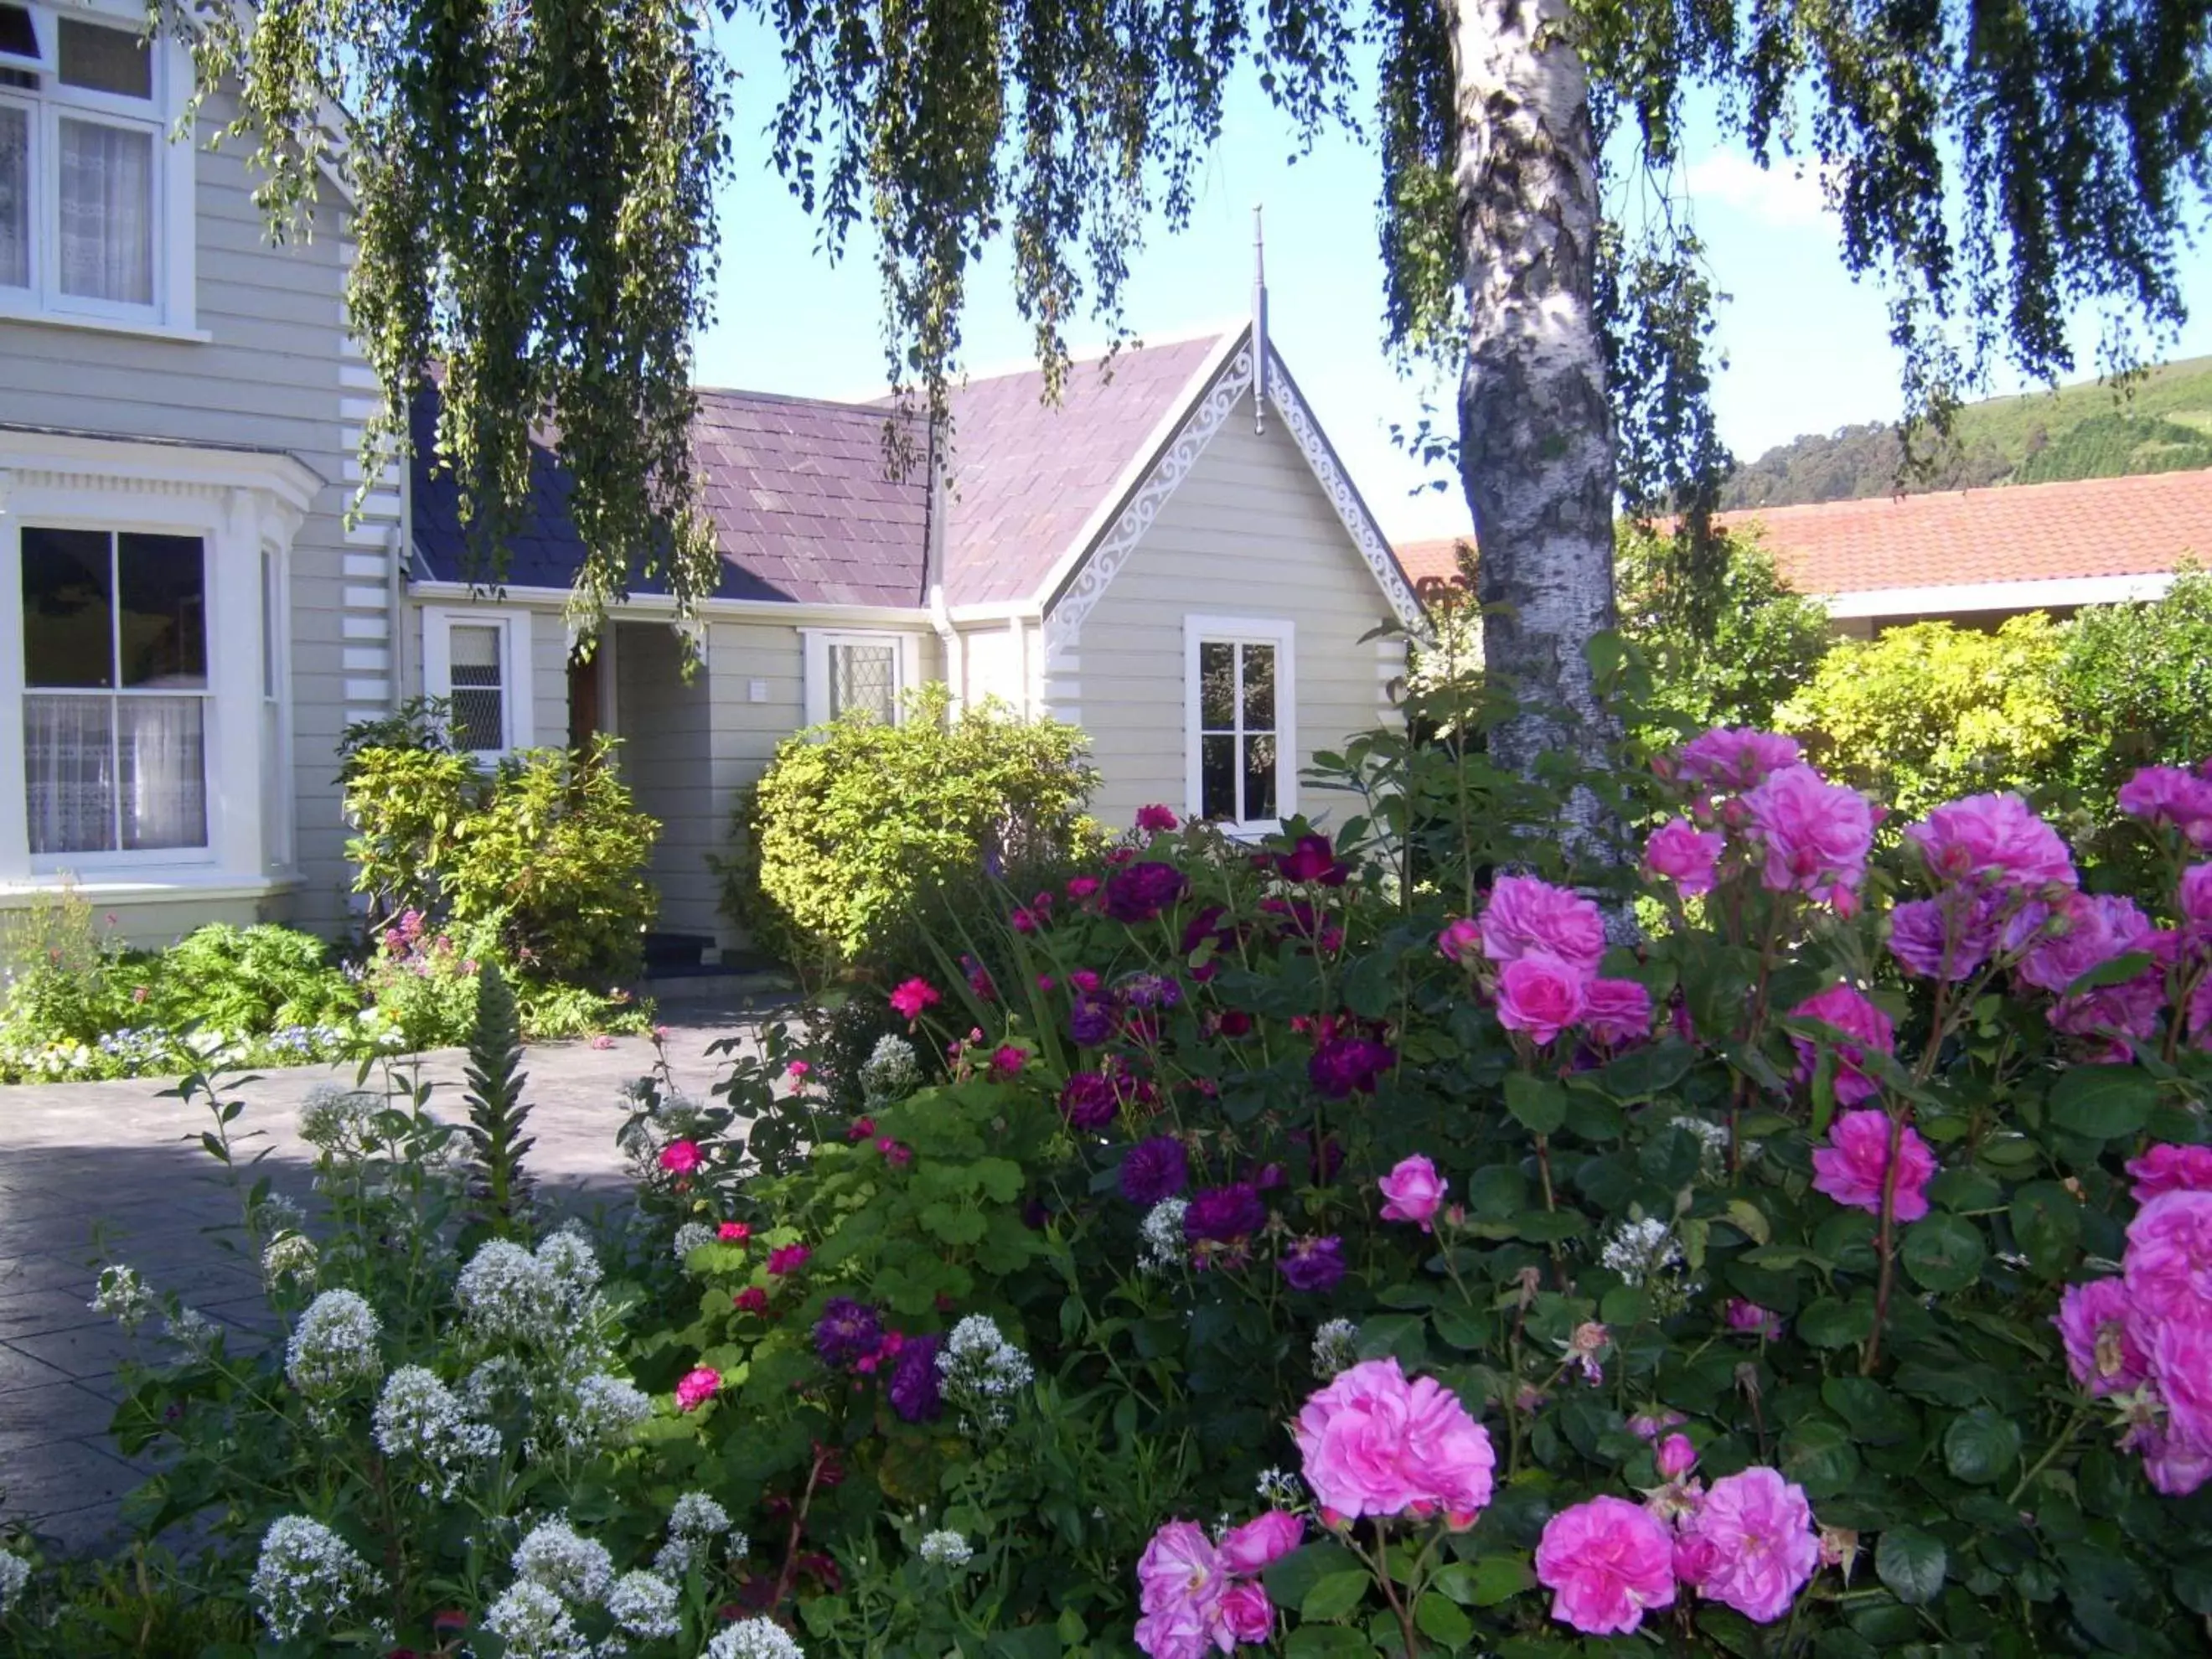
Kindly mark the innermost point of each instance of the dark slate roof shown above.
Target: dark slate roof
(805, 508)
(798, 491)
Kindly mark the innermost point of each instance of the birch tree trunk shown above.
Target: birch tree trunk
(1536, 439)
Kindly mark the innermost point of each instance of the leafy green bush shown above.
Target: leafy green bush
(1927, 712)
(252, 979)
(2136, 681)
(853, 820)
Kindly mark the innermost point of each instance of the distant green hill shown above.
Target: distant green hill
(2084, 431)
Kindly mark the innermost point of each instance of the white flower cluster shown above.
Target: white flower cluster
(1712, 1141)
(1638, 1249)
(569, 1255)
(755, 1639)
(572, 1566)
(307, 1576)
(693, 1526)
(276, 1213)
(192, 1331)
(536, 1623)
(492, 1387)
(982, 1371)
(1335, 1348)
(334, 1345)
(690, 1236)
(1162, 1245)
(509, 1295)
(339, 1120)
(890, 1073)
(1280, 1489)
(942, 1548)
(419, 1417)
(14, 1576)
(600, 1409)
(643, 1605)
(290, 1255)
(123, 1296)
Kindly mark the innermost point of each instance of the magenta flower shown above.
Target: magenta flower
(696, 1388)
(846, 1331)
(1344, 1066)
(1006, 1062)
(1262, 1541)
(912, 997)
(1816, 835)
(1463, 936)
(1525, 914)
(1676, 1456)
(1761, 1547)
(1375, 1444)
(2169, 1169)
(1605, 1561)
(1750, 1319)
(1181, 1583)
(1735, 758)
(2085, 931)
(797, 1070)
(1852, 1014)
(1852, 1168)
(1140, 892)
(2194, 897)
(681, 1157)
(1414, 1191)
(1247, 1616)
(1616, 1012)
(1312, 1264)
(2168, 1262)
(2168, 797)
(2093, 1323)
(1996, 839)
(787, 1259)
(1155, 820)
(1313, 858)
(1153, 1170)
(1680, 853)
(1223, 1215)
(1948, 937)
(1089, 1100)
(917, 1393)
(733, 1232)
(1541, 995)
(2181, 1363)
(1081, 887)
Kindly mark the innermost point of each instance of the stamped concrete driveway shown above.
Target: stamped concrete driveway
(94, 1172)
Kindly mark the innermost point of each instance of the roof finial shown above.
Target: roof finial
(1259, 323)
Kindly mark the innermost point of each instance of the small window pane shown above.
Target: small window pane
(105, 60)
(19, 37)
(1216, 777)
(1259, 688)
(1259, 777)
(864, 677)
(106, 190)
(69, 774)
(163, 599)
(69, 623)
(478, 688)
(1217, 687)
(14, 196)
(162, 746)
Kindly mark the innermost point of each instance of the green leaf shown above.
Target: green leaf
(1290, 1578)
(1818, 1455)
(1460, 1328)
(1830, 1323)
(1980, 1446)
(1001, 1178)
(2103, 1102)
(2046, 1223)
(1440, 1618)
(1538, 1105)
(954, 1223)
(1642, 1073)
(1327, 1642)
(1944, 1252)
(1911, 1564)
(1334, 1596)
(1548, 1226)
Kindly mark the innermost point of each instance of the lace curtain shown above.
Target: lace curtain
(106, 773)
(106, 199)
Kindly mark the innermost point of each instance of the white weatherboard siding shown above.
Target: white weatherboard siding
(270, 376)
(1247, 534)
(666, 728)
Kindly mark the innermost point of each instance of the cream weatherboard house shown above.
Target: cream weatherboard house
(1173, 557)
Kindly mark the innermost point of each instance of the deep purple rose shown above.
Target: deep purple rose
(1313, 859)
(1313, 1264)
(1089, 1101)
(846, 1331)
(1154, 1169)
(1140, 892)
(1209, 924)
(1148, 991)
(1343, 1066)
(914, 1389)
(1091, 1022)
(1221, 1214)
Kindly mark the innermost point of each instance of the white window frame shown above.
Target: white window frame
(517, 669)
(817, 643)
(1281, 633)
(174, 267)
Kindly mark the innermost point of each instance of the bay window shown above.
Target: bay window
(1239, 721)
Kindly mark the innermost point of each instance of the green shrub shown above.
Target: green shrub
(854, 819)
(255, 979)
(2136, 681)
(1926, 713)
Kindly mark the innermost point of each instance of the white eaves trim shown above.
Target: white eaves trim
(64, 454)
(654, 607)
(1997, 596)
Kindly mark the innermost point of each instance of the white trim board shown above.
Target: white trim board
(1877, 602)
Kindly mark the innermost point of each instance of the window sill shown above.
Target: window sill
(145, 886)
(34, 318)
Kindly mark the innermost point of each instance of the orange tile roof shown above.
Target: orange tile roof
(2133, 526)
(1432, 567)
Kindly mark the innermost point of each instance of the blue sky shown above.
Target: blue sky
(1807, 350)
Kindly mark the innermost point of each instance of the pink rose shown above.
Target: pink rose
(1179, 1586)
(1082, 887)
(1540, 995)
(1751, 1319)
(733, 1232)
(1734, 758)
(1525, 914)
(1676, 1456)
(1855, 1163)
(696, 1388)
(1616, 1012)
(2085, 932)
(2194, 897)
(1247, 1616)
(1765, 1547)
(2174, 1466)
(1998, 838)
(2170, 798)
(797, 1070)
(681, 1157)
(1852, 1014)
(1948, 937)
(787, 1259)
(1605, 1561)
(1459, 939)
(1376, 1444)
(2168, 1262)
(1815, 834)
(915, 995)
(1679, 853)
(1006, 1062)
(1414, 1190)
(1155, 820)
(2181, 1365)
(1262, 1541)
(2170, 1169)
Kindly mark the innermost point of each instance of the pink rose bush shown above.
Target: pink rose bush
(1680, 853)
(1376, 1444)
(1852, 1014)
(1854, 1167)
(1605, 1561)
(1195, 1595)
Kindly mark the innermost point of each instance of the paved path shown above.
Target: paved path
(110, 1171)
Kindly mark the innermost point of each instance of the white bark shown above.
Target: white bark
(1535, 424)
